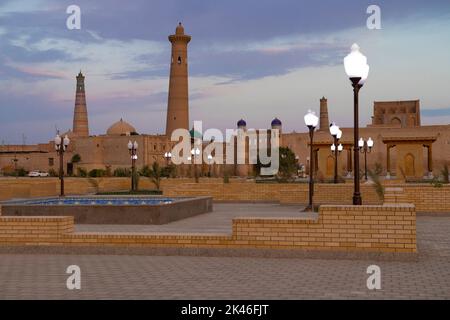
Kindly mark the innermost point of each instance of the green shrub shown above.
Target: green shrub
(445, 173)
(76, 158)
(97, 173)
(122, 172)
(436, 183)
(226, 177)
(21, 172)
(81, 172)
(52, 173)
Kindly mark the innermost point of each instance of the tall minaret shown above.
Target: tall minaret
(324, 123)
(178, 102)
(80, 116)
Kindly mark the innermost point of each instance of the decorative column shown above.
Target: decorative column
(388, 160)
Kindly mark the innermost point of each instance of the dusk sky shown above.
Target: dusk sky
(251, 59)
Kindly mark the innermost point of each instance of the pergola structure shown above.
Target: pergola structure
(410, 154)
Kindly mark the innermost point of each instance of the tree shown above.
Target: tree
(155, 172)
(76, 158)
(288, 164)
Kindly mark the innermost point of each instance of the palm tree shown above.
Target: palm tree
(155, 173)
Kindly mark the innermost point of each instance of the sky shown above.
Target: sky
(251, 59)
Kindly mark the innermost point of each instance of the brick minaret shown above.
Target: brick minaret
(178, 102)
(80, 116)
(324, 122)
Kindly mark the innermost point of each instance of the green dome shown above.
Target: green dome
(195, 134)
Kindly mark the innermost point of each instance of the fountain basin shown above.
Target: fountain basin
(132, 210)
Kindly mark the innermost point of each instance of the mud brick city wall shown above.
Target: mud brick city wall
(388, 228)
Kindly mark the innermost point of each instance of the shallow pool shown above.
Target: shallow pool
(113, 201)
(112, 209)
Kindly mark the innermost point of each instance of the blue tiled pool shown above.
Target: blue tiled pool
(82, 201)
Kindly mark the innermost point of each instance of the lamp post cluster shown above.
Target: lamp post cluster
(61, 147)
(336, 149)
(365, 146)
(357, 70)
(132, 148)
(167, 156)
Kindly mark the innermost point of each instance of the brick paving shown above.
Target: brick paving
(154, 277)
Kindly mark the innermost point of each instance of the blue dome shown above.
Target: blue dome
(276, 122)
(241, 123)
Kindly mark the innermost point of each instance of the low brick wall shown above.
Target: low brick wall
(388, 228)
(425, 197)
(34, 230)
(273, 192)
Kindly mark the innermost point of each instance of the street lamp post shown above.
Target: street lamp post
(357, 70)
(189, 159)
(336, 151)
(311, 121)
(167, 156)
(195, 153)
(365, 147)
(210, 158)
(336, 133)
(132, 148)
(61, 147)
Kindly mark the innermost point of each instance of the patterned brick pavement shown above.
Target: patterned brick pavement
(153, 277)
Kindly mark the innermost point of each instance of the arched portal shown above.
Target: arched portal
(330, 166)
(396, 121)
(409, 165)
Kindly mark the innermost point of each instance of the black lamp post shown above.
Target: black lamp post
(365, 147)
(210, 162)
(311, 121)
(167, 156)
(357, 70)
(61, 147)
(336, 133)
(336, 151)
(132, 148)
(195, 152)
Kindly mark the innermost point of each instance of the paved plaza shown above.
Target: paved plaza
(28, 276)
(218, 221)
